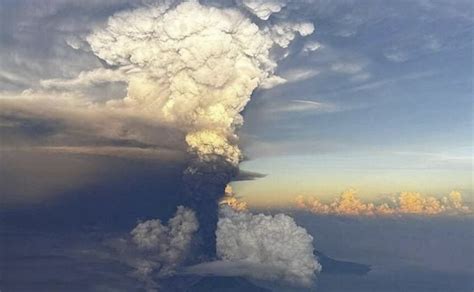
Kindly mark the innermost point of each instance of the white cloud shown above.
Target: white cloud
(300, 74)
(198, 67)
(311, 46)
(301, 106)
(273, 247)
(263, 8)
(156, 250)
(169, 243)
(347, 67)
(388, 81)
(283, 32)
(177, 67)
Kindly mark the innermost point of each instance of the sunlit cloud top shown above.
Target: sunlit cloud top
(407, 203)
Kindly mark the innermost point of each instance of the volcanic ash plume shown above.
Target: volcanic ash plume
(282, 249)
(195, 68)
(154, 249)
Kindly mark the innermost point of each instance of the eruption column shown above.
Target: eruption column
(194, 67)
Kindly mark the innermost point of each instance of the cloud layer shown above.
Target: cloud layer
(407, 203)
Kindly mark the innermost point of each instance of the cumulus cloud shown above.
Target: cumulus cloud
(284, 32)
(274, 246)
(156, 250)
(231, 200)
(407, 203)
(169, 242)
(263, 8)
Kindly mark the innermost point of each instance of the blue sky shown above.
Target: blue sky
(385, 100)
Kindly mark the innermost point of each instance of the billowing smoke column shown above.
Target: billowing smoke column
(282, 249)
(156, 249)
(167, 242)
(261, 247)
(195, 67)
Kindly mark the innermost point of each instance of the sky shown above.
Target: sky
(159, 144)
(383, 104)
(377, 98)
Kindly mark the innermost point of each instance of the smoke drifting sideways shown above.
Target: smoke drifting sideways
(407, 203)
(195, 67)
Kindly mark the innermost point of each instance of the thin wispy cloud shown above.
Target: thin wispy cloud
(305, 106)
(300, 74)
(388, 81)
(347, 67)
(438, 156)
(396, 56)
(311, 46)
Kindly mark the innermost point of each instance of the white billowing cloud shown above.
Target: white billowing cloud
(197, 67)
(155, 249)
(284, 32)
(263, 8)
(171, 242)
(186, 66)
(206, 143)
(273, 246)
